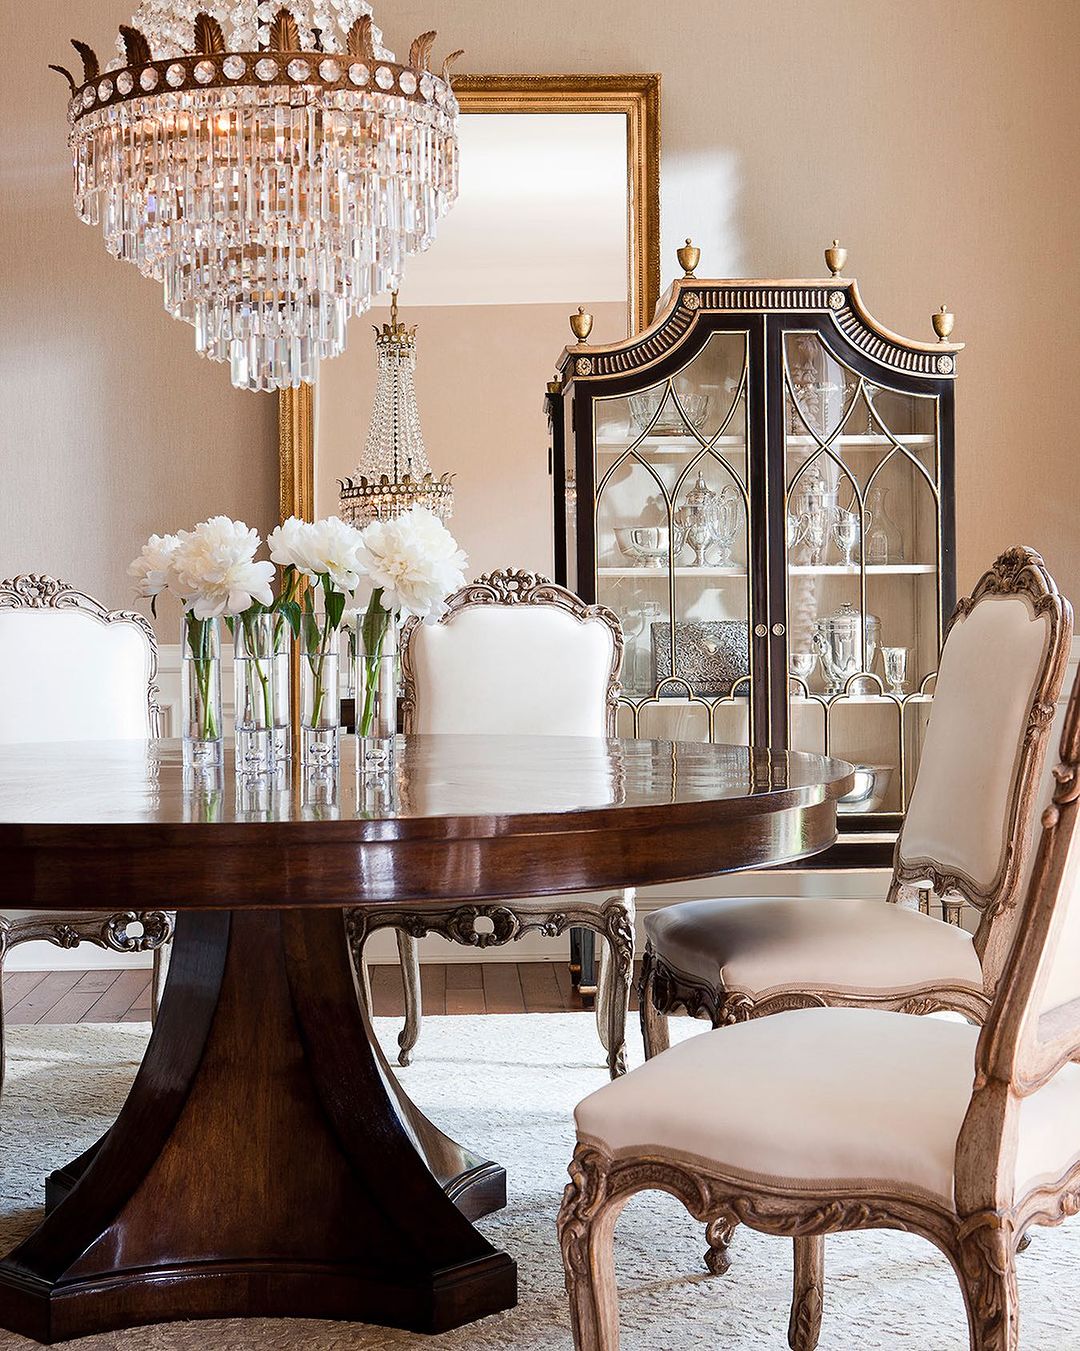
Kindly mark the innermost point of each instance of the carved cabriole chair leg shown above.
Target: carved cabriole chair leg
(986, 1266)
(808, 1292)
(587, 1238)
(718, 1235)
(409, 953)
(616, 975)
(654, 1025)
(158, 978)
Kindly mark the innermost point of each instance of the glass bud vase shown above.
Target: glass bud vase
(376, 691)
(255, 676)
(200, 693)
(320, 700)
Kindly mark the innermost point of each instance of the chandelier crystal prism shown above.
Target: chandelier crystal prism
(272, 168)
(395, 474)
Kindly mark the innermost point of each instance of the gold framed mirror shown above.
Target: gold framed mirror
(634, 98)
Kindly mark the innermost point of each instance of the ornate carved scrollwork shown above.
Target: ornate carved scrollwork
(981, 1248)
(102, 931)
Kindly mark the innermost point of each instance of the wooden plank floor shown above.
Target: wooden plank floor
(469, 987)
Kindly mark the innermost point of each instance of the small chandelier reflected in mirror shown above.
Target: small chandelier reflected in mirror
(272, 167)
(394, 473)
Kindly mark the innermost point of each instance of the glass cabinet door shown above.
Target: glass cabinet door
(674, 544)
(863, 518)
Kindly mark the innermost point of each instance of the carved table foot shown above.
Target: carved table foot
(265, 1163)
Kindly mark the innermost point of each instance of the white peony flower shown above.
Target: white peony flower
(326, 548)
(415, 561)
(153, 566)
(215, 571)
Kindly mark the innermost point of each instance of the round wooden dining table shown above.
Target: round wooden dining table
(266, 1160)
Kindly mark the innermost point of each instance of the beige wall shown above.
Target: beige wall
(479, 386)
(937, 140)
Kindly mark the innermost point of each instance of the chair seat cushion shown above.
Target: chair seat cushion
(763, 945)
(855, 1099)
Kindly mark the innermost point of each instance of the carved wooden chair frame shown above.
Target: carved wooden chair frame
(1021, 1047)
(613, 919)
(664, 989)
(115, 932)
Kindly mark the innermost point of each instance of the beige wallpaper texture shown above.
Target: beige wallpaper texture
(938, 141)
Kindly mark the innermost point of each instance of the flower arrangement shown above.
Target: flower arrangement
(325, 553)
(213, 572)
(412, 563)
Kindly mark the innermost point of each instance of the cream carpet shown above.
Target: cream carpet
(507, 1085)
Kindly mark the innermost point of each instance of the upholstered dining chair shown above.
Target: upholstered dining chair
(513, 654)
(71, 670)
(819, 1120)
(966, 836)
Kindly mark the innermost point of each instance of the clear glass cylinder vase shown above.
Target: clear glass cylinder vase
(261, 675)
(320, 701)
(200, 692)
(376, 691)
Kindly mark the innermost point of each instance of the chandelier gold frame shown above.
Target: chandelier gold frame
(637, 98)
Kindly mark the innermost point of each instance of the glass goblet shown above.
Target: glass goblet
(845, 534)
(895, 660)
(802, 665)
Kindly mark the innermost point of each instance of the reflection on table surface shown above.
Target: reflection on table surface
(434, 776)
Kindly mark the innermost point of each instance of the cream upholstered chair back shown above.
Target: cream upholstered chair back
(970, 818)
(514, 653)
(70, 670)
(1032, 1033)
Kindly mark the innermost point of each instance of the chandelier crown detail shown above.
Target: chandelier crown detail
(394, 473)
(271, 168)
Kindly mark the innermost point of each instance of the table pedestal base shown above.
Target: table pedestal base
(265, 1163)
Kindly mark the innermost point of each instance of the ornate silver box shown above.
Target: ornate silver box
(710, 655)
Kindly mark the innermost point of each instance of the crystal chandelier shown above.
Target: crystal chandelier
(394, 473)
(272, 168)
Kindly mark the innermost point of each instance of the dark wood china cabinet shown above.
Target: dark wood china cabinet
(761, 486)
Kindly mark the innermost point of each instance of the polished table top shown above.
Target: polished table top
(463, 815)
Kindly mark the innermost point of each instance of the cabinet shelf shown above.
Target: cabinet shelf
(912, 439)
(658, 446)
(872, 569)
(662, 573)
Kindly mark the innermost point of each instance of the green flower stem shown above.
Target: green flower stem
(255, 664)
(375, 627)
(199, 642)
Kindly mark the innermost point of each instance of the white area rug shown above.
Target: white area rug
(506, 1085)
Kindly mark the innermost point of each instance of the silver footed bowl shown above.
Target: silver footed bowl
(648, 545)
(871, 789)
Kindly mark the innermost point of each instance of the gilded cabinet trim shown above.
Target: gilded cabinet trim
(688, 299)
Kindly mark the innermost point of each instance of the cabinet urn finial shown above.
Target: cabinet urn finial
(689, 256)
(835, 258)
(581, 324)
(943, 322)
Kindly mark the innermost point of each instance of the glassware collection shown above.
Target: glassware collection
(333, 577)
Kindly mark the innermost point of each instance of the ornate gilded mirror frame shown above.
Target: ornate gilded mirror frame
(637, 97)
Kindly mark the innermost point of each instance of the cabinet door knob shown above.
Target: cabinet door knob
(779, 630)
(761, 630)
